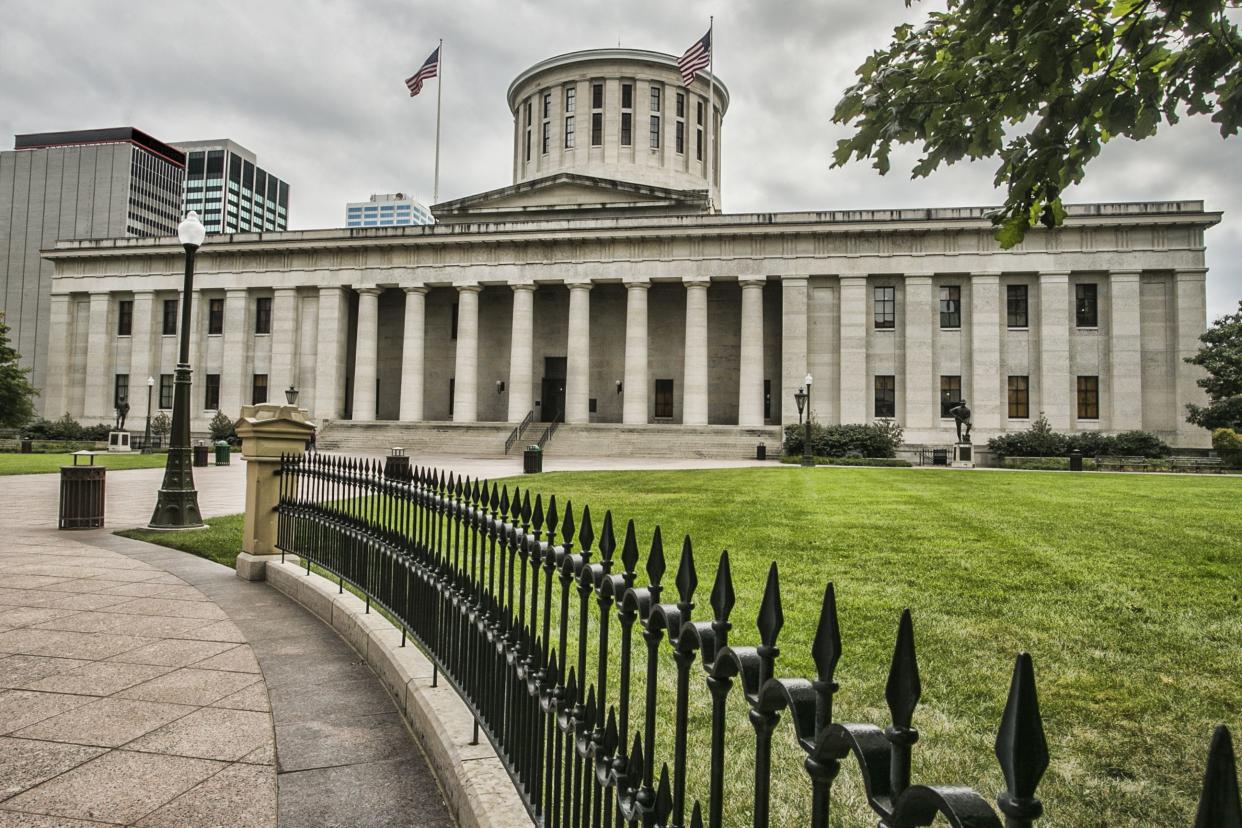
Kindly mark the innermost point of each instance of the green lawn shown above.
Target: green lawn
(220, 541)
(45, 463)
(1125, 589)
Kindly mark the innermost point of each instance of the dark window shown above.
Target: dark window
(120, 390)
(592, 405)
(597, 129)
(681, 104)
(263, 315)
(215, 164)
(235, 168)
(655, 99)
(195, 169)
(885, 309)
(1089, 397)
(452, 386)
(1087, 308)
(571, 95)
(211, 399)
(885, 395)
(664, 398)
(453, 323)
(247, 174)
(698, 138)
(569, 132)
(215, 316)
(950, 393)
(125, 317)
(597, 96)
(950, 306)
(627, 96)
(767, 399)
(655, 131)
(546, 138)
(627, 129)
(681, 137)
(258, 389)
(166, 391)
(170, 317)
(547, 105)
(1019, 398)
(1016, 296)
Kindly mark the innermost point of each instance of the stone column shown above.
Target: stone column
(1125, 350)
(1054, 367)
(794, 362)
(99, 380)
(54, 400)
(578, 351)
(466, 372)
(412, 351)
(140, 349)
(750, 370)
(634, 405)
(922, 396)
(330, 350)
(366, 354)
(1190, 321)
(284, 366)
(234, 392)
(985, 358)
(854, 385)
(694, 395)
(521, 353)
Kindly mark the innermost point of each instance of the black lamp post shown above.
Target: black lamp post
(807, 459)
(146, 437)
(177, 506)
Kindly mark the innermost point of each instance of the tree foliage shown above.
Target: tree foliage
(16, 392)
(1042, 84)
(1221, 356)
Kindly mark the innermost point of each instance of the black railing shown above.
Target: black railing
(516, 434)
(532, 617)
(547, 434)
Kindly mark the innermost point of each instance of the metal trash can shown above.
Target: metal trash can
(532, 460)
(222, 453)
(82, 494)
(397, 463)
(200, 453)
(1075, 460)
(940, 457)
(27, 446)
(761, 451)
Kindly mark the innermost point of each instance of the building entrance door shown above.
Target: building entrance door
(552, 399)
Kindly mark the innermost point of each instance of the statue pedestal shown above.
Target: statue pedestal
(963, 456)
(118, 441)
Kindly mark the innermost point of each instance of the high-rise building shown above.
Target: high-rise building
(85, 184)
(387, 210)
(230, 191)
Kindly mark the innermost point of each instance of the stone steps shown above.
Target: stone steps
(438, 438)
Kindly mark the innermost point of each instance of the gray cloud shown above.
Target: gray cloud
(315, 88)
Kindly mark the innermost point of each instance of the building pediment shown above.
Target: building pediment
(570, 195)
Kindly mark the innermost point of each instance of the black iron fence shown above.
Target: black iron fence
(536, 620)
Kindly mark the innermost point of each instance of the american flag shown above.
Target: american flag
(697, 57)
(428, 70)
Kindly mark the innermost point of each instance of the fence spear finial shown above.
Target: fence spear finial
(629, 552)
(586, 534)
(687, 580)
(607, 542)
(1219, 805)
(656, 564)
(1021, 747)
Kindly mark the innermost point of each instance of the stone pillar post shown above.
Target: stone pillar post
(921, 403)
(985, 358)
(98, 399)
(54, 401)
(466, 372)
(694, 396)
(794, 362)
(750, 371)
(1054, 367)
(578, 362)
(140, 349)
(1190, 321)
(366, 354)
(521, 353)
(854, 349)
(412, 350)
(330, 344)
(237, 337)
(267, 431)
(1125, 350)
(634, 405)
(284, 366)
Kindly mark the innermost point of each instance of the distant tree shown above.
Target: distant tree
(221, 426)
(161, 424)
(1064, 76)
(1221, 356)
(16, 392)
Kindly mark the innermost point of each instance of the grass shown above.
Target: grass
(219, 542)
(45, 463)
(1125, 589)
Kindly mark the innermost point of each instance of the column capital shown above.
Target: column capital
(1125, 275)
(985, 276)
(639, 284)
(697, 282)
(469, 288)
(795, 281)
(1188, 274)
(853, 279)
(420, 289)
(752, 281)
(1054, 275)
(142, 292)
(525, 286)
(918, 278)
(369, 291)
(235, 291)
(578, 285)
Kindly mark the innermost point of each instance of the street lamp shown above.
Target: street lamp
(291, 394)
(146, 438)
(807, 459)
(177, 505)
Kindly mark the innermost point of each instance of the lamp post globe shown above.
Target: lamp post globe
(177, 504)
(146, 437)
(807, 459)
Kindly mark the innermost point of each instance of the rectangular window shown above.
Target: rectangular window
(681, 137)
(950, 306)
(885, 395)
(627, 137)
(170, 317)
(1019, 398)
(571, 94)
(655, 131)
(547, 105)
(950, 393)
(655, 99)
(597, 129)
(1016, 298)
(1086, 305)
(452, 392)
(166, 391)
(569, 132)
(681, 104)
(211, 397)
(698, 137)
(1089, 397)
(597, 96)
(215, 316)
(125, 317)
(528, 123)
(258, 389)
(627, 96)
(453, 323)
(767, 399)
(593, 405)
(885, 309)
(663, 398)
(545, 140)
(120, 390)
(263, 315)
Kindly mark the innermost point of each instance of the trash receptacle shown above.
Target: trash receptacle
(222, 453)
(532, 460)
(200, 453)
(1075, 460)
(397, 463)
(27, 447)
(761, 451)
(82, 494)
(940, 457)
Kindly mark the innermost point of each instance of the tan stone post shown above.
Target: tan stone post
(267, 431)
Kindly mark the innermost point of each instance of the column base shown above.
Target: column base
(253, 567)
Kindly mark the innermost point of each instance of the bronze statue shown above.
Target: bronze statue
(961, 417)
(122, 411)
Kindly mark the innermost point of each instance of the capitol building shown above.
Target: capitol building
(606, 289)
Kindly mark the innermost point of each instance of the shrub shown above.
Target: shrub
(161, 424)
(1037, 441)
(879, 439)
(884, 462)
(1043, 463)
(1140, 444)
(1041, 441)
(1092, 444)
(221, 426)
(1228, 444)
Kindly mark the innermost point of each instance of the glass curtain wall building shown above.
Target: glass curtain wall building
(387, 210)
(230, 191)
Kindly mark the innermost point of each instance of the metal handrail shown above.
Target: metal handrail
(547, 434)
(516, 434)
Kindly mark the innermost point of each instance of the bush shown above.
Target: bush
(1140, 444)
(66, 428)
(1228, 444)
(221, 427)
(1043, 463)
(161, 424)
(1041, 441)
(1037, 441)
(1092, 444)
(882, 462)
(880, 439)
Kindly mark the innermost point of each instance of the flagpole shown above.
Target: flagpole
(711, 105)
(435, 188)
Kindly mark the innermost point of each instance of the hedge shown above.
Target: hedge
(1228, 444)
(884, 462)
(1041, 441)
(880, 439)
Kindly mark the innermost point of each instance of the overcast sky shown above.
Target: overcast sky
(315, 89)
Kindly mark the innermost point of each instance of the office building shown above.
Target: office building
(229, 190)
(387, 210)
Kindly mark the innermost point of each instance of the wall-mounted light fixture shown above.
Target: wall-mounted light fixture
(500, 386)
(620, 386)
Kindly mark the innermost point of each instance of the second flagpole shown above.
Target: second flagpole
(435, 187)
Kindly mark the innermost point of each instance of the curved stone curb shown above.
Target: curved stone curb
(476, 785)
